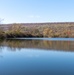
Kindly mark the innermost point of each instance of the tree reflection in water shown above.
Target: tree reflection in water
(38, 44)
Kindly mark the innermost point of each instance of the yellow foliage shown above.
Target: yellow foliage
(47, 32)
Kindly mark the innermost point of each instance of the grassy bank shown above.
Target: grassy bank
(64, 30)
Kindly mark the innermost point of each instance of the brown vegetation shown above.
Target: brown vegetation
(2, 34)
(37, 30)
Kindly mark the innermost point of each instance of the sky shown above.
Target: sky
(35, 11)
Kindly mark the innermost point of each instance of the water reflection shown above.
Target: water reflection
(36, 57)
(14, 45)
(1, 56)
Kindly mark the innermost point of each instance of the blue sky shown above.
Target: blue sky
(23, 11)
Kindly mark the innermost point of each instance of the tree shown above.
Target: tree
(1, 20)
(48, 32)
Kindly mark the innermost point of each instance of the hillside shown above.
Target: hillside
(58, 29)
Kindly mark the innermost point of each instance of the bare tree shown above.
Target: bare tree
(1, 20)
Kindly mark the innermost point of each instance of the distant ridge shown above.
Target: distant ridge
(42, 23)
(56, 29)
(6, 26)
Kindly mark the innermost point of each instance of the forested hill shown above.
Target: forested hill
(48, 23)
(57, 29)
(55, 24)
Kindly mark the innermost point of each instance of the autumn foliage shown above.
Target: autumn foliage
(51, 30)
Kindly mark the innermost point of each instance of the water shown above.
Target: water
(37, 57)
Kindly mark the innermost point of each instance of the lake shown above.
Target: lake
(37, 56)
